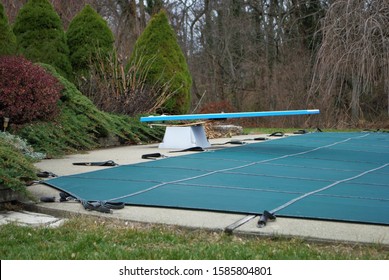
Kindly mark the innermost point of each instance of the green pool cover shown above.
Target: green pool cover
(330, 176)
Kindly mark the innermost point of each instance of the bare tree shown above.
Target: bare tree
(12, 8)
(354, 54)
(68, 9)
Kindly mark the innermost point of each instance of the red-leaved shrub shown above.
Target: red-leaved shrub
(27, 91)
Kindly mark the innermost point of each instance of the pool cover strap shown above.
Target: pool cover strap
(191, 149)
(265, 217)
(101, 206)
(100, 163)
(152, 156)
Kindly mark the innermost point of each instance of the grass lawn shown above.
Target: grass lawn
(95, 239)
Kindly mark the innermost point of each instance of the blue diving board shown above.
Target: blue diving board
(193, 135)
(227, 115)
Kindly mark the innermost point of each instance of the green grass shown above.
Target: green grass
(93, 238)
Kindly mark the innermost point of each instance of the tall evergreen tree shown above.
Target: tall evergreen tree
(7, 37)
(89, 39)
(157, 51)
(41, 37)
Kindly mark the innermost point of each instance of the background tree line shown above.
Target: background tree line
(248, 55)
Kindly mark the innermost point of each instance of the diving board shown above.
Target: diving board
(215, 116)
(189, 136)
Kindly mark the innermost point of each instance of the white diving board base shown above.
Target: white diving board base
(184, 137)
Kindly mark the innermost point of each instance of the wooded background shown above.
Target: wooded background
(250, 55)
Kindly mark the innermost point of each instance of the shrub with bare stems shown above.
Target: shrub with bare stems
(114, 88)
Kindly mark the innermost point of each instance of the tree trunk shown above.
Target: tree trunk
(355, 94)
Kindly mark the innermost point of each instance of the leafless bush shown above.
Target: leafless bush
(113, 88)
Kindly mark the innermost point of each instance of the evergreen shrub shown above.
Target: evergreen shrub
(89, 38)
(157, 51)
(7, 37)
(40, 36)
(15, 169)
